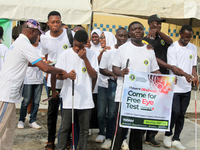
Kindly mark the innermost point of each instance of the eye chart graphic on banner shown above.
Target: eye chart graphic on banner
(147, 101)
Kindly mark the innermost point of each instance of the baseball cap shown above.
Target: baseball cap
(31, 23)
(155, 17)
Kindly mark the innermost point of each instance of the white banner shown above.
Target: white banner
(147, 101)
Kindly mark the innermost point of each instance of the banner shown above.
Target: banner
(7, 27)
(147, 101)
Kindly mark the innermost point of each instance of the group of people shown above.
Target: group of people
(93, 71)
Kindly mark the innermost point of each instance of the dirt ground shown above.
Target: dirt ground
(191, 116)
(35, 139)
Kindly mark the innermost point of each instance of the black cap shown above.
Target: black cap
(155, 18)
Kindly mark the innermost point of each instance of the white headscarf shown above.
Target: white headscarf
(97, 31)
(110, 38)
(97, 47)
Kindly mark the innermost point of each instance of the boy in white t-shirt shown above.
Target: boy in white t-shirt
(54, 42)
(182, 54)
(109, 102)
(84, 63)
(20, 54)
(141, 59)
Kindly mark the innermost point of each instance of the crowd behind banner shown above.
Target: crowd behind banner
(85, 78)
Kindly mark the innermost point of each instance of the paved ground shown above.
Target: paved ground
(33, 139)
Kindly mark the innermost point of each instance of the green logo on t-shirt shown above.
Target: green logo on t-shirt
(162, 42)
(65, 46)
(190, 57)
(132, 77)
(146, 62)
(84, 69)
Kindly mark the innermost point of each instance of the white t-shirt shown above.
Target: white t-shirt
(103, 80)
(68, 61)
(3, 51)
(97, 52)
(96, 48)
(20, 53)
(107, 60)
(54, 46)
(33, 74)
(140, 59)
(184, 57)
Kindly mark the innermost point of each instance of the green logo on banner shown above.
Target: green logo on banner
(132, 77)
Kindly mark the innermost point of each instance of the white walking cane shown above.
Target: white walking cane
(195, 118)
(73, 114)
(118, 113)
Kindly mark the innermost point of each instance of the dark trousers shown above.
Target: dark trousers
(94, 118)
(135, 141)
(179, 107)
(52, 116)
(150, 134)
(84, 122)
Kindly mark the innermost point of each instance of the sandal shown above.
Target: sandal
(50, 146)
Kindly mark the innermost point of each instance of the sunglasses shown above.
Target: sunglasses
(102, 37)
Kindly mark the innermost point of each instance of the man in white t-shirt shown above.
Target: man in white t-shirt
(20, 53)
(54, 42)
(182, 54)
(84, 63)
(106, 69)
(3, 49)
(141, 59)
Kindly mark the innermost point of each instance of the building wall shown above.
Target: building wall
(109, 22)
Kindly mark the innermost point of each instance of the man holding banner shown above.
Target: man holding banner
(141, 59)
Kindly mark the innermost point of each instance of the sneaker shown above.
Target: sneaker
(177, 145)
(28, 117)
(167, 141)
(34, 125)
(124, 145)
(106, 144)
(20, 125)
(100, 138)
(152, 142)
(90, 132)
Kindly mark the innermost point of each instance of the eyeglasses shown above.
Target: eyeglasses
(102, 37)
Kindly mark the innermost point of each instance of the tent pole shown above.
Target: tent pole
(191, 19)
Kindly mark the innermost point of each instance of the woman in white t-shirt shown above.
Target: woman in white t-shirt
(107, 40)
(3, 48)
(95, 45)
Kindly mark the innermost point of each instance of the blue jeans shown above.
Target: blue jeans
(104, 102)
(30, 91)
